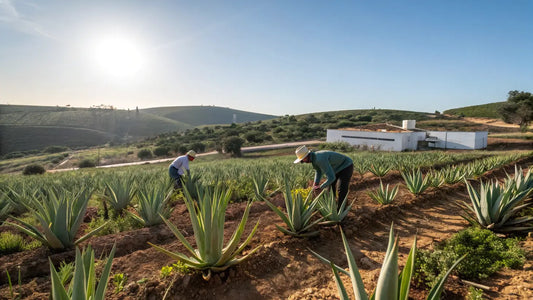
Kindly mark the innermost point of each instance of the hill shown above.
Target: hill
(489, 110)
(25, 128)
(206, 115)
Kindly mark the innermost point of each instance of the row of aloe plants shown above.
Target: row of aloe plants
(417, 183)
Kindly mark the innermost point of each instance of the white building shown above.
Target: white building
(387, 137)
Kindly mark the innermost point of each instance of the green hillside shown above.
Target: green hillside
(489, 110)
(35, 127)
(112, 121)
(206, 115)
(25, 138)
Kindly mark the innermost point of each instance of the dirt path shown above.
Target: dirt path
(283, 267)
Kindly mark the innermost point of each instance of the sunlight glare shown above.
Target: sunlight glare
(118, 56)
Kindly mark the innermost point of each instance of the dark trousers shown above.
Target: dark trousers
(173, 173)
(343, 180)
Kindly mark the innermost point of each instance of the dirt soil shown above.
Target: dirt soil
(283, 267)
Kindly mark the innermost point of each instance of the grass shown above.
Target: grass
(517, 135)
(489, 110)
(11, 243)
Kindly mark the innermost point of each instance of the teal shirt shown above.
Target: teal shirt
(328, 163)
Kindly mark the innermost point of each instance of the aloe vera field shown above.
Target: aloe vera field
(250, 228)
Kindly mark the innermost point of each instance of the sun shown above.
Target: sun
(118, 56)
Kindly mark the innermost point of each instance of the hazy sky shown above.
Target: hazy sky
(277, 57)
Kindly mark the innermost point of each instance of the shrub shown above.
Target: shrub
(486, 254)
(233, 145)
(198, 147)
(161, 151)
(144, 153)
(33, 169)
(55, 149)
(87, 163)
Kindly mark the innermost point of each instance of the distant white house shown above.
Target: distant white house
(387, 137)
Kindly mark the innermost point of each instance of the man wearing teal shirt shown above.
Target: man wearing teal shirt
(337, 167)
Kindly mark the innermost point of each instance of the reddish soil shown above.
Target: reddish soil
(283, 267)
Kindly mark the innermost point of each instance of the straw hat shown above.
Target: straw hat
(301, 153)
(191, 153)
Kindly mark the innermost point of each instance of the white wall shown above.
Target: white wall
(384, 141)
(460, 140)
(400, 141)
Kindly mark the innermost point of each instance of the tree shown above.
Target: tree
(233, 145)
(518, 109)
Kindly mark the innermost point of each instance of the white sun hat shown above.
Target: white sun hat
(191, 153)
(301, 153)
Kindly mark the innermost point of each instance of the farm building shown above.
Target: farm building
(387, 137)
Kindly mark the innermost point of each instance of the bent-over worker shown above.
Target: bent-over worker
(179, 166)
(337, 167)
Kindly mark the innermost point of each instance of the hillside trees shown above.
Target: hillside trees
(518, 109)
(233, 145)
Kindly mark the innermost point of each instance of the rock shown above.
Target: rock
(186, 280)
(366, 263)
(131, 288)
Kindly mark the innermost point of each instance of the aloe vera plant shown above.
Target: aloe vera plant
(330, 210)
(380, 169)
(191, 182)
(153, 204)
(453, 174)
(207, 218)
(5, 207)
(260, 184)
(390, 285)
(494, 207)
(119, 191)
(83, 285)
(299, 213)
(435, 178)
(59, 213)
(383, 195)
(519, 182)
(415, 182)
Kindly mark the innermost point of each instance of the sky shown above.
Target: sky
(272, 56)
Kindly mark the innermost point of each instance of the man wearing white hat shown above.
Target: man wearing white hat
(337, 167)
(179, 166)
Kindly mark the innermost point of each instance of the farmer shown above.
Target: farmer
(179, 166)
(337, 168)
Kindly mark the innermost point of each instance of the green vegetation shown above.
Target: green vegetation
(489, 110)
(415, 182)
(485, 254)
(518, 109)
(87, 163)
(330, 210)
(300, 212)
(206, 115)
(37, 127)
(59, 213)
(153, 203)
(84, 284)
(33, 170)
(496, 206)
(391, 285)
(119, 281)
(11, 243)
(383, 195)
(207, 218)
